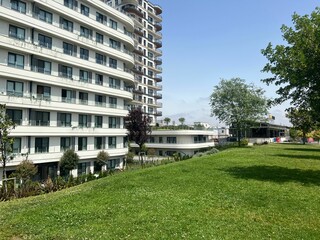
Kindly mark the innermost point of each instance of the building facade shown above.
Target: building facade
(184, 142)
(147, 53)
(66, 79)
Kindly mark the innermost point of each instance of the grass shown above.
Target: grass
(262, 192)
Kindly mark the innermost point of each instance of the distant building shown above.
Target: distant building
(262, 131)
(185, 142)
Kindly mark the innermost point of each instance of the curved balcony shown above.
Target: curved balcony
(137, 70)
(138, 91)
(157, 43)
(157, 96)
(132, 2)
(157, 9)
(158, 78)
(22, 74)
(158, 114)
(138, 50)
(138, 31)
(158, 61)
(156, 69)
(133, 9)
(158, 26)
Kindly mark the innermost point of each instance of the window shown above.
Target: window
(112, 102)
(99, 143)
(45, 41)
(99, 79)
(171, 140)
(18, 6)
(114, 83)
(112, 142)
(16, 32)
(112, 63)
(115, 44)
(44, 16)
(73, 4)
(83, 98)
(99, 17)
(152, 140)
(65, 71)
(42, 145)
(84, 76)
(84, 121)
(84, 54)
(64, 119)
(82, 168)
(68, 96)
(114, 122)
(41, 66)
(113, 24)
(65, 143)
(98, 121)
(113, 163)
(100, 59)
(160, 140)
(43, 92)
(15, 88)
(16, 146)
(69, 49)
(82, 143)
(42, 118)
(15, 60)
(85, 10)
(100, 100)
(66, 24)
(99, 38)
(15, 115)
(85, 32)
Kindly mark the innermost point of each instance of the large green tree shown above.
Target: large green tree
(295, 66)
(6, 125)
(302, 120)
(138, 125)
(236, 103)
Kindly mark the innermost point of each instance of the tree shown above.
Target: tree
(26, 170)
(236, 103)
(102, 159)
(302, 120)
(6, 142)
(296, 65)
(182, 120)
(167, 120)
(69, 161)
(139, 129)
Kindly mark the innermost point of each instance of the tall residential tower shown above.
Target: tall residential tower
(147, 54)
(66, 77)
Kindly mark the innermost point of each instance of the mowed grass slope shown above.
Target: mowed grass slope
(264, 192)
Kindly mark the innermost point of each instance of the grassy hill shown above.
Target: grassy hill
(263, 192)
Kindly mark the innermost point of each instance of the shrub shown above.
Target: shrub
(244, 142)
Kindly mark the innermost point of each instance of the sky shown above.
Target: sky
(209, 40)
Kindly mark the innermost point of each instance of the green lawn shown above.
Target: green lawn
(263, 192)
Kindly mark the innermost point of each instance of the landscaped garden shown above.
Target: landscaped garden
(261, 192)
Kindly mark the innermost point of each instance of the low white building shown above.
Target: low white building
(186, 142)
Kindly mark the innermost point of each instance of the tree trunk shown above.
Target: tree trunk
(4, 175)
(140, 157)
(304, 138)
(239, 137)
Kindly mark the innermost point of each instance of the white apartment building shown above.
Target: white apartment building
(66, 79)
(186, 142)
(147, 54)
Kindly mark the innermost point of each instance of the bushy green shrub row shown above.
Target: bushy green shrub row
(206, 153)
(33, 188)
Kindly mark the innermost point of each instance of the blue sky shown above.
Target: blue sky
(204, 41)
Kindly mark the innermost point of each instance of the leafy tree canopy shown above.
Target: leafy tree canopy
(69, 160)
(138, 126)
(296, 65)
(236, 103)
